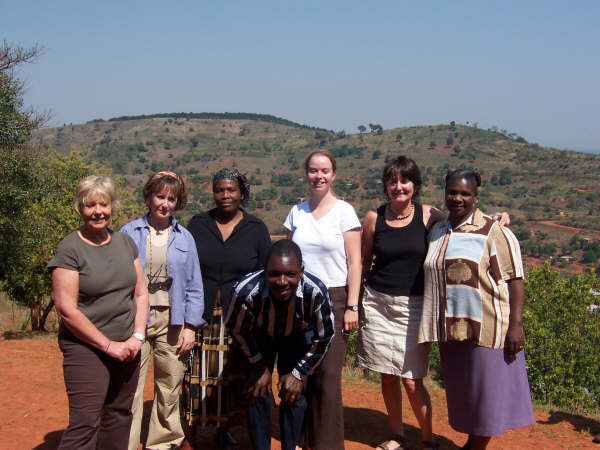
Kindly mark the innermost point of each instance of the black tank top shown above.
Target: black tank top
(399, 254)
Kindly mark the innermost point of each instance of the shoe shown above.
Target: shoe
(396, 442)
(225, 440)
(596, 439)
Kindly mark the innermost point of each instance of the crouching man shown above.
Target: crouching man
(270, 314)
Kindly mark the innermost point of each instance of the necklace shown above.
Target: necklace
(93, 239)
(158, 229)
(153, 276)
(401, 217)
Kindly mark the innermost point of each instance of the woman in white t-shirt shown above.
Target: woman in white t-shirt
(327, 231)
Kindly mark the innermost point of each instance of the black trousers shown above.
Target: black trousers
(100, 391)
(325, 417)
(286, 351)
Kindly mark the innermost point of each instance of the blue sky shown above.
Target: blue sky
(532, 67)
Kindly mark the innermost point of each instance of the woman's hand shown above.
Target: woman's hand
(120, 350)
(186, 341)
(503, 218)
(290, 388)
(350, 320)
(515, 339)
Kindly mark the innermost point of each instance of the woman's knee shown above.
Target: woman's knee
(413, 386)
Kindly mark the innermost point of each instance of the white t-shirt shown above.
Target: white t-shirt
(322, 241)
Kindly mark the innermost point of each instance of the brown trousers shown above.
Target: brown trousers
(325, 414)
(100, 391)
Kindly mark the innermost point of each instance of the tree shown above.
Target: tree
(36, 196)
(362, 129)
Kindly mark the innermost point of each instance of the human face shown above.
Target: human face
(162, 205)
(283, 275)
(320, 173)
(96, 213)
(460, 199)
(400, 190)
(227, 195)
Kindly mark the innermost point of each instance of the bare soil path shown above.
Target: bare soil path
(33, 409)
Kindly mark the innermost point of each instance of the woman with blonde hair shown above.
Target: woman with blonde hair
(100, 295)
(170, 266)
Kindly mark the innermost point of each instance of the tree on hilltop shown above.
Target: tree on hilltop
(362, 128)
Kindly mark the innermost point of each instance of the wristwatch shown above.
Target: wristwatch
(352, 308)
(140, 337)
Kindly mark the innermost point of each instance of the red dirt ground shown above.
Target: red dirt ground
(33, 411)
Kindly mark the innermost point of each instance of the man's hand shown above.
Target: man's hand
(259, 383)
(290, 388)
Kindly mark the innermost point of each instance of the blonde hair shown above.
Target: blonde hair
(94, 186)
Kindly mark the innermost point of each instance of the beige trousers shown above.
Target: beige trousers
(165, 427)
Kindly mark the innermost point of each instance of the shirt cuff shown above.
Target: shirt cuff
(296, 374)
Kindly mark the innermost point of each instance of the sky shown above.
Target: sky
(532, 67)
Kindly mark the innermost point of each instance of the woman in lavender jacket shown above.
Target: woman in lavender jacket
(170, 261)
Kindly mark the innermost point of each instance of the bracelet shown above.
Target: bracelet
(106, 349)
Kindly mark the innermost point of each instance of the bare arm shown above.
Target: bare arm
(141, 298)
(515, 338)
(353, 260)
(367, 242)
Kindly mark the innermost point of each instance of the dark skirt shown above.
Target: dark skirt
(212, 391)
(487, 392)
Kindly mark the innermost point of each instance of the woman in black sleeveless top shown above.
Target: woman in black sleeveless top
(394, 248)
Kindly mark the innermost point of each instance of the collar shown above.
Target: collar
(475, 219)
(247, 218)
(142, 222)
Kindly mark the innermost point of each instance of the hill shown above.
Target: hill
(553, 195)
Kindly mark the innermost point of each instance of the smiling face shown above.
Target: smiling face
(400, 189)
(162, 205)
(96, 213)
(320, 173)
(460, 199)
(283, 275)
(227, 195)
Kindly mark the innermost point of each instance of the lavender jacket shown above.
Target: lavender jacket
(186, 292)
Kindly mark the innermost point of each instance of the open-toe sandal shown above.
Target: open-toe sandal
(396, 442)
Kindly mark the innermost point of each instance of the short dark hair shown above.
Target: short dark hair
(233, 175)
(402, 167)
(285, 247)
(465, 174)
(169, 180)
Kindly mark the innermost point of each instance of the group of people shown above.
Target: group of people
(216, 306)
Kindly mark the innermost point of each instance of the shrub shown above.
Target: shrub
(561, 338)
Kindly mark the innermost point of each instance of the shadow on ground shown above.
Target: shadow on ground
(579, 423)
(51, 441)
(371, 427)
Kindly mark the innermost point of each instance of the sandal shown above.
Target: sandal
(430, 445)
(396, 442)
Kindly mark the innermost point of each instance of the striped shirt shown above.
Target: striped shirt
(466, 269)
(252, 309)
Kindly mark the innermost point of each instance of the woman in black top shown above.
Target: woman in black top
(233, 243)
(394, 248)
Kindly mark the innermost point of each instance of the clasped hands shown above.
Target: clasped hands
(260, 384)
(125, 350)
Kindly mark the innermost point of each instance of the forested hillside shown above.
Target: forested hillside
(540, 187)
